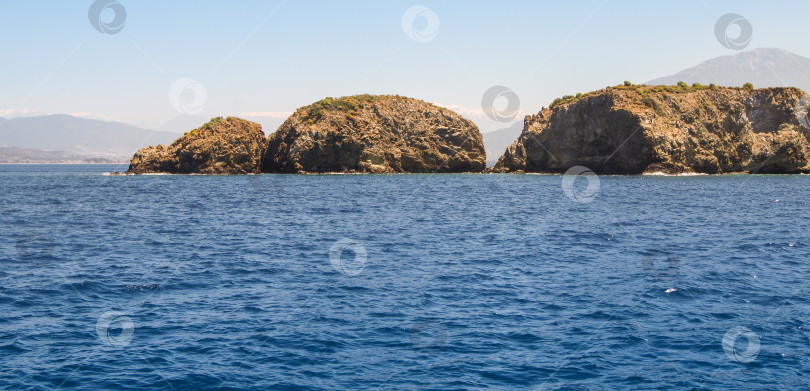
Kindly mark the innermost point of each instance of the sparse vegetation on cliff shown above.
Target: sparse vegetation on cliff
(376, 134)
(565, 99)
(642, 128)
(646, 90)
(349, 104)
(220, 146)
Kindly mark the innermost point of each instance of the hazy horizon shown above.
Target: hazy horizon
(261, 61)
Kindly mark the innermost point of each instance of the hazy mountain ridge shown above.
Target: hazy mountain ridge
(23, 155)
(61, 132)
(762, 67)
(496, 141)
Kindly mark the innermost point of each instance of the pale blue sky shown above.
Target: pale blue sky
(263, 59)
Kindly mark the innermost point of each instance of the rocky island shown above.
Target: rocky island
(635, 129)
(357, 134)
(222, 146)
(375, 134)
(627, 129)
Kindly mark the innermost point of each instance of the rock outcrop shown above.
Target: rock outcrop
(375, 134)
(222, 146)
(634, 129)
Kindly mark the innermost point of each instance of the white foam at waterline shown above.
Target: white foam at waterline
(658, 173)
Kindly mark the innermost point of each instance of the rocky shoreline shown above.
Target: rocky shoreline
(629, 130)
(623, 130)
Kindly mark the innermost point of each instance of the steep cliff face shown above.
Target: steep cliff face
(221, 146)
(637, 129)
(375, 134)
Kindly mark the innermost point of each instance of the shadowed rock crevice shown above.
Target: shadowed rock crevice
(636, 129)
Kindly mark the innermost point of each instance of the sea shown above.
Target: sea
(402, 282)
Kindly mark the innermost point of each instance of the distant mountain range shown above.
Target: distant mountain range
(22, 155)
(78, 135)
(496, 141)
(762, 67)
(116, 140)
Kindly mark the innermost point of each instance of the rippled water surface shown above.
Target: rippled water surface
(401, 282)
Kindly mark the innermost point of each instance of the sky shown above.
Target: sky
(172, 65)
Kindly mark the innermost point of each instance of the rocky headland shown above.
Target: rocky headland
(375, 134)
(222, 146)
(627, 129)
(635, 129)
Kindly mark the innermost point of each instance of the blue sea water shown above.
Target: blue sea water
(325, 282)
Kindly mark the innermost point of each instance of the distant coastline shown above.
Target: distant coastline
(11, 155)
